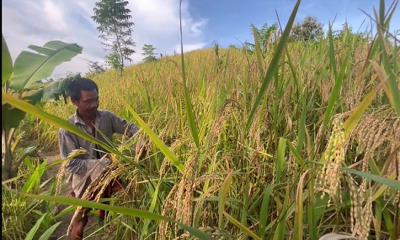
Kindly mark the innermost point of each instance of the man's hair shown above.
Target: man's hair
(79, 84)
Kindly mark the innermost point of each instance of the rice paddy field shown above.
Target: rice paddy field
(300, 141)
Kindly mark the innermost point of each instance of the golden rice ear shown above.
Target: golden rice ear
(328, 180)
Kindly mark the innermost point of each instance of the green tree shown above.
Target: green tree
(309, 30)
(148, 53)
(95, 68)
(113, 22)
(265, 35)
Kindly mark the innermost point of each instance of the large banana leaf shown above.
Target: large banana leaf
(6, 62)
(11, 117)
(31, 67)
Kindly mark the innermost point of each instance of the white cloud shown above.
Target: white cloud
(156, 22)
(189, 47)
(54, 16)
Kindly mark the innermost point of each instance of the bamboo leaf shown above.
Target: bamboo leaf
(156, 140)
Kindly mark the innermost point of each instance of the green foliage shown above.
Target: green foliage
(148, 53)
(309, 30)
(6, 62)
(95, 68)
(157, 141)
(113, 23)
(275, 163)
(28, 70)
(194, 130)
(265, 36)
(123, 210)
(35, 228)
(56, 121)
(31, 67)
(381, 180)
(114, 60)
(273, 66)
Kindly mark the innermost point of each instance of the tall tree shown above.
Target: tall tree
(309, 30)
(114, 23)
(148, 53)
(95, 68)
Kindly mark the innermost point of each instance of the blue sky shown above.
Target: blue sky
(229, 20)
(226, 22)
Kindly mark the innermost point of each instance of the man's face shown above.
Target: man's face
(88, 103)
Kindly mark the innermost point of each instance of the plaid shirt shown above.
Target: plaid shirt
(106, 124)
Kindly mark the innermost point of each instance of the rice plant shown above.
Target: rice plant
(299, 142)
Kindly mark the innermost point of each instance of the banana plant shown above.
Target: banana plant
(23, 79)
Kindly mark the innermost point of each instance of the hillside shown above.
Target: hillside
(284, 177)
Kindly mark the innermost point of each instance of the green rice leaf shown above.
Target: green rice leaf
(352, 121)
(244, 229)
(54, 120)
(299, 209)
(188, 103)
(259, 56)
(264, 210)
(156, 140)
(280, 162)
(35, 227)
(273, 66)
(122, 210)
(151, 209)
(222, 198)
(381, 180)
(47, 234)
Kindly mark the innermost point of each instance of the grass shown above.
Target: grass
(235, 150)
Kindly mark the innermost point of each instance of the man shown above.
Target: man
(102, 125)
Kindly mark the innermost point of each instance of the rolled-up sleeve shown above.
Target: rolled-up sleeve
(121, 126)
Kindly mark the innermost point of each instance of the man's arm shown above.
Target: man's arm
(121, 126)
(68, 143)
